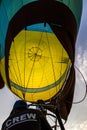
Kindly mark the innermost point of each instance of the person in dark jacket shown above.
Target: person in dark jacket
(23, 118)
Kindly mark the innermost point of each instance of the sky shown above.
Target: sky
(77, 119)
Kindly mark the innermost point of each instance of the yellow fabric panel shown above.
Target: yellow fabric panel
(2, 69)
(38, 65)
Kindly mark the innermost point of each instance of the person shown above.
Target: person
(24, 118)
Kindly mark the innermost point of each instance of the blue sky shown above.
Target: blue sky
(78, 117)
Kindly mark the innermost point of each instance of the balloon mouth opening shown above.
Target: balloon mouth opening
(34, 52)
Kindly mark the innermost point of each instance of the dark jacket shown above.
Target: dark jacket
(30, 119)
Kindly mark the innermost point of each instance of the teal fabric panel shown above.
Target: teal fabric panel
(9, 8)
(75, 6)
(40, 27)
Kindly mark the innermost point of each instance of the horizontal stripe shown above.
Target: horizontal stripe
(36, 90)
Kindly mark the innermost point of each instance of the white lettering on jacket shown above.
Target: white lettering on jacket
(21, 118)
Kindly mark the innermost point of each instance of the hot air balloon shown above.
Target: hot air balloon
(37, 50)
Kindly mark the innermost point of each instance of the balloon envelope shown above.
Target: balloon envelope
(38, 46)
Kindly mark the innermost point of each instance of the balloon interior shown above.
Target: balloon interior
(37, 47)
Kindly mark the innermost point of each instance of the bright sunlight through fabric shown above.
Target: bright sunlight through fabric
(38, 65)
